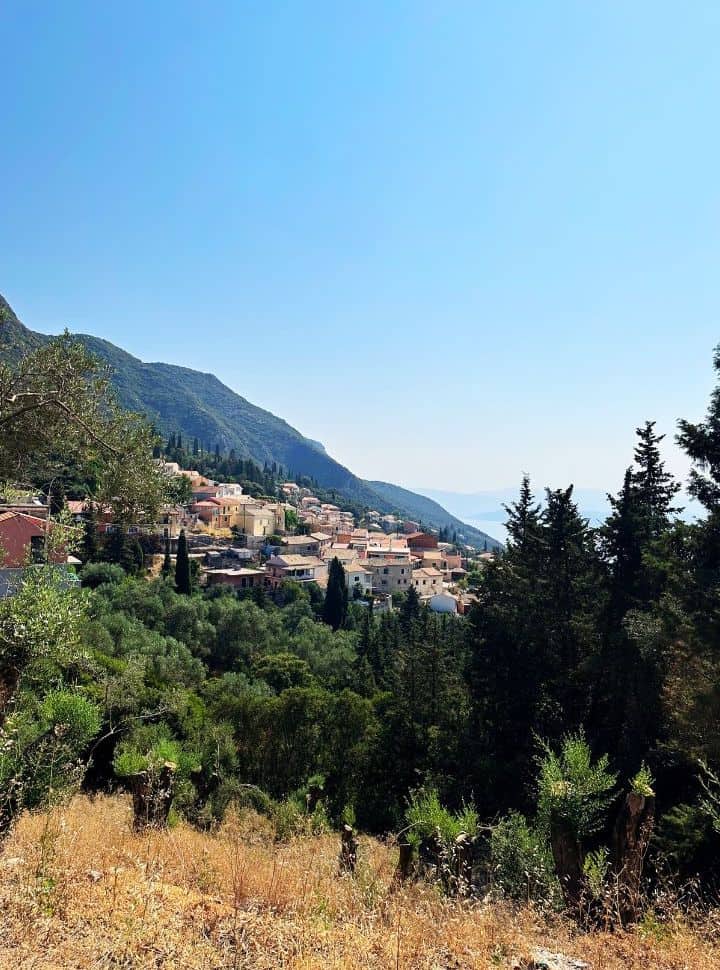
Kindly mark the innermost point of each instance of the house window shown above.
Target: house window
(37, 548)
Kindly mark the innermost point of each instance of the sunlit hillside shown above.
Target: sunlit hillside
(79, 889)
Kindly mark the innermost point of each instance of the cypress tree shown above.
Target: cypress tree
(167, 561)
(90, 545)
(196, 447)
(336, 596)
(182, 567)
(56, 497)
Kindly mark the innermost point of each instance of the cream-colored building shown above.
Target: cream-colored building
(358, 578)
(428, 581)
(390, 576)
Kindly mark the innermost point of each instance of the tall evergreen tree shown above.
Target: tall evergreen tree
(701, 442)
(118, 548)
(56, 497)
(167, 560)
(183, 582)
(656, 487)
(336, 596)
(90, 545)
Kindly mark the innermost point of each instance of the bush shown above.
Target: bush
(521, 865)
(573, 789)
(99, 573)
(426, 818)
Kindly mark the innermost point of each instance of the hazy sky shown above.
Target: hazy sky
(451, 240)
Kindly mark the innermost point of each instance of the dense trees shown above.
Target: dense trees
(589, 664)
(56, 408)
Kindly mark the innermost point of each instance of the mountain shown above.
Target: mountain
(179, 399)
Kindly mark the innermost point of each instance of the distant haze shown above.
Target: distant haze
(485, 509)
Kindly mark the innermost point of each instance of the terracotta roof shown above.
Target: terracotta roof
(6, 516)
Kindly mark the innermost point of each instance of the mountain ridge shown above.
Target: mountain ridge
(176, 398)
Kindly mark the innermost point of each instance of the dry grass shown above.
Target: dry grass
(79, 889)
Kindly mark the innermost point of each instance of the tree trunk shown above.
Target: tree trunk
(568, 858)
(633, 829)
(463, 852)
(348, 849)
(152, 796)
(404, 862)
(313, 796)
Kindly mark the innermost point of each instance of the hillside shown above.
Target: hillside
(200, 406)
(79, 890)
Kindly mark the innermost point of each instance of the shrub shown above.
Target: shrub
(521, 864)
(100, 573)
(426, 817)
(573, 789)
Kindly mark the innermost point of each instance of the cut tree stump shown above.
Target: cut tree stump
(631, 837)
(463, 853)
(348, 849)
(152, 794)
(568, 857)
(404, 861)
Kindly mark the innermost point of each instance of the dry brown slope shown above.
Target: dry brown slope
(79, 889)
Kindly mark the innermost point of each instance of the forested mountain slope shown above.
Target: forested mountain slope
(198, 405)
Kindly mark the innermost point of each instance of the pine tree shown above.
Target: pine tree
(622, 544)
(656, 487)
(183, 582)
(336, 596)
(702, 444)
(523, 522)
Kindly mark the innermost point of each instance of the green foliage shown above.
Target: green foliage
(596, 869)
(56, 401)
(521, 865)
(710, 801)
(573, 788)
(183, 579)
(94, 574)
(335, 606)
(41, 748)
(643, 782)
(426, 817)
(148, 748)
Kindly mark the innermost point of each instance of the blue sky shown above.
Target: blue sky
(451, 240)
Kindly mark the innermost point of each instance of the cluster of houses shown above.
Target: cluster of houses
(244, 542)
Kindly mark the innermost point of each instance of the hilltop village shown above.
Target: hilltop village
(255, 541)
